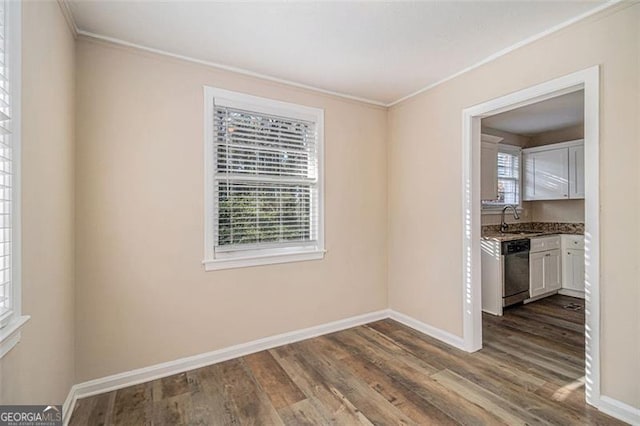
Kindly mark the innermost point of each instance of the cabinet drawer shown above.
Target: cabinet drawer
(573, 242)
(545, 243)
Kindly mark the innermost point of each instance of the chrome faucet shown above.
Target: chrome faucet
(516, 216)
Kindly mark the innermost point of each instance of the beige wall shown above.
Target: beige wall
(508, 137)
(557, 136)
(142, 295)
(40, 370)
(425, 218)
(567, 211)
(496, 218)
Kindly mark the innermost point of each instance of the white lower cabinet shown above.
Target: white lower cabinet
(573, 265)
(545, 272)
(491, 277)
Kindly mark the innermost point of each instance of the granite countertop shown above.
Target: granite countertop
(497, 236)
(518, 231)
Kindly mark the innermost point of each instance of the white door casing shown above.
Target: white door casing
(589, 81)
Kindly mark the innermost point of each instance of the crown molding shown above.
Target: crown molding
(236, 70)
(64, 6)
(68, 17)
(511, 48)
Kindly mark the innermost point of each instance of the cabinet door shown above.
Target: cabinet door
(576, 171)
(536, 274)
(544, 272)
(552, 271)
(573, 268)
(489, 171)
(546, 175)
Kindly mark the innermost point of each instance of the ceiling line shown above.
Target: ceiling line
(227, 68)
(68, 16)
(64, 5)
(510, 49)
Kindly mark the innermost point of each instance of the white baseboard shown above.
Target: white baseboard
(146, 374)
(538, 297)
(69, 403)
(572, 293)
(619, 410)
(606, 404)
(444, 336)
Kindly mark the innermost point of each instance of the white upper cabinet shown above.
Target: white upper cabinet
(550, 172)
(546, 174)
(576, 171)
(489, 167)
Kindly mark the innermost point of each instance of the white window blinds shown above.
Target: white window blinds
(508, 177)
(6, 174)
(265, 180)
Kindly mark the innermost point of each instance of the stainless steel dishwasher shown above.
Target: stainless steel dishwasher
(515, 273)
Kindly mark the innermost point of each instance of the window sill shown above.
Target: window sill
(267, 259)
(10, 334)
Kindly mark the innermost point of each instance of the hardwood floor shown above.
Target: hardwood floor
(530, 371)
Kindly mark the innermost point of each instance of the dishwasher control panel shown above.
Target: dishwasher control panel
(515, 246)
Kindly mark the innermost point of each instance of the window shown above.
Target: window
(263, 181)
(508, 178)
(10, 306)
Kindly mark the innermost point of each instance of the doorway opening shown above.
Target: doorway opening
(584, 84)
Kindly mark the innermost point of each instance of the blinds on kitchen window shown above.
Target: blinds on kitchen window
(6, 174)
(266, 180)
(508, 178)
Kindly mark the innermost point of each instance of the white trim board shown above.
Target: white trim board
(236, 70)
(68, 405)
(146, 374)
(589, 80)
(572, 293)
(80, 32)
(68, 17)
(619, 410)
(511, 48)
(436, 333)
(14, 319)
(216, 258)
(118, 381)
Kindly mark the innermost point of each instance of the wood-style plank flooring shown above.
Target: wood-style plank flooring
(530, 371)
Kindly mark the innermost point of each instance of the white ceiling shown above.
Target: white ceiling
(380, 51)
(553, 114)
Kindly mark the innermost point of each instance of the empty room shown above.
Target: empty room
(319, 212)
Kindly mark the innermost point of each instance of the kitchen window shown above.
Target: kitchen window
(509, 178)
(263, 170)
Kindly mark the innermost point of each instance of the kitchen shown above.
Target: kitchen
(532, 186)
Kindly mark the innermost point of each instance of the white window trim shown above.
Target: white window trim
(246, 258)
(497, 209)
(10, 334)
